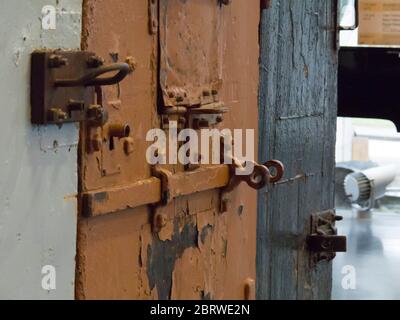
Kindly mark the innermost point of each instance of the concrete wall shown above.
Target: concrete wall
(38, 165)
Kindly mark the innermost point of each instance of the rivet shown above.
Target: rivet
(57, 61)
(131, 61)
(119, 130)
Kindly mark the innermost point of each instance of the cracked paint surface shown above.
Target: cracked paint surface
(200, 253)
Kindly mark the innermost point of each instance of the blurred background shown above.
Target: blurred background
(368, 198)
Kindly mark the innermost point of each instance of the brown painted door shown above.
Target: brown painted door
(170, 232)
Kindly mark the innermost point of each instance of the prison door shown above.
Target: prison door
(167, 231)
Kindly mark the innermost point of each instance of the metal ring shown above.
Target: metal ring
(91, 78)
(280, 170)
(259, 178)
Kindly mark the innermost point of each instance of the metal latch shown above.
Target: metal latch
(63, 86)
(323, 242)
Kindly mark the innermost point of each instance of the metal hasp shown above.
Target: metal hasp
(63, 86)
(323, 242)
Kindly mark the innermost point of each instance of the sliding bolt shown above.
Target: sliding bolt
(119, 131)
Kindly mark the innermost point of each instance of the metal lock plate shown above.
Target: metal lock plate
(63, 86)
(323, 242)
(52, 104)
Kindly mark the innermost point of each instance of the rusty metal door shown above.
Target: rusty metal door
(168, 232)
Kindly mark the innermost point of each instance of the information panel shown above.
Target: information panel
(379, 22)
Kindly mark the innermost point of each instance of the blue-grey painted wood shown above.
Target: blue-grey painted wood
(298, 107)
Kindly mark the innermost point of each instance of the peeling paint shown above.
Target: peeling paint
(122, 256)
(162, 256)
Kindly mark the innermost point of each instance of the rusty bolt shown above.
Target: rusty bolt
(57, 61)
(128, 146)
(179, 98)
(219, 119)
(214, 92)
(131, 61)
(95, 62)
(97, 115)
(119, 131)
(56, 114)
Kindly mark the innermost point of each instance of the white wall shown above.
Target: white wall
(38, 180)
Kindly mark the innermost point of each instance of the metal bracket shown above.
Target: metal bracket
(63, 86)
(323, 242)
